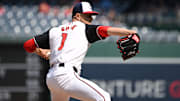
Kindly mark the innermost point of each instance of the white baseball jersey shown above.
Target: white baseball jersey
(69, 42)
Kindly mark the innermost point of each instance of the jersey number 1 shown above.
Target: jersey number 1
(64, 36)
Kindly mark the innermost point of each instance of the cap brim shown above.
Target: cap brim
(91, 12)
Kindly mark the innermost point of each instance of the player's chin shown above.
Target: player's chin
(88, 22)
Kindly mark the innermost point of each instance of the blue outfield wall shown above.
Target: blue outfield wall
(136, 82)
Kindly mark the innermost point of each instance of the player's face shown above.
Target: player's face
(86, 18)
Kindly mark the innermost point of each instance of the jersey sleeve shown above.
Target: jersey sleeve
(96, 32)
(42, 41)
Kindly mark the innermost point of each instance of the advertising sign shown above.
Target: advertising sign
(136, 82)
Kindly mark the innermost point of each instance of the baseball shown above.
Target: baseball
(48, 53)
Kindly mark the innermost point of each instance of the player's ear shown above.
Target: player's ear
(77, 16)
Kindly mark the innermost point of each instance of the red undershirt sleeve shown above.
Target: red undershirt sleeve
(30, 45)
(102, 31)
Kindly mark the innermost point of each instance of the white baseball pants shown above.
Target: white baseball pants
(64, 83)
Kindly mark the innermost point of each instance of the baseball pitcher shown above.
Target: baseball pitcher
(66, 46)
